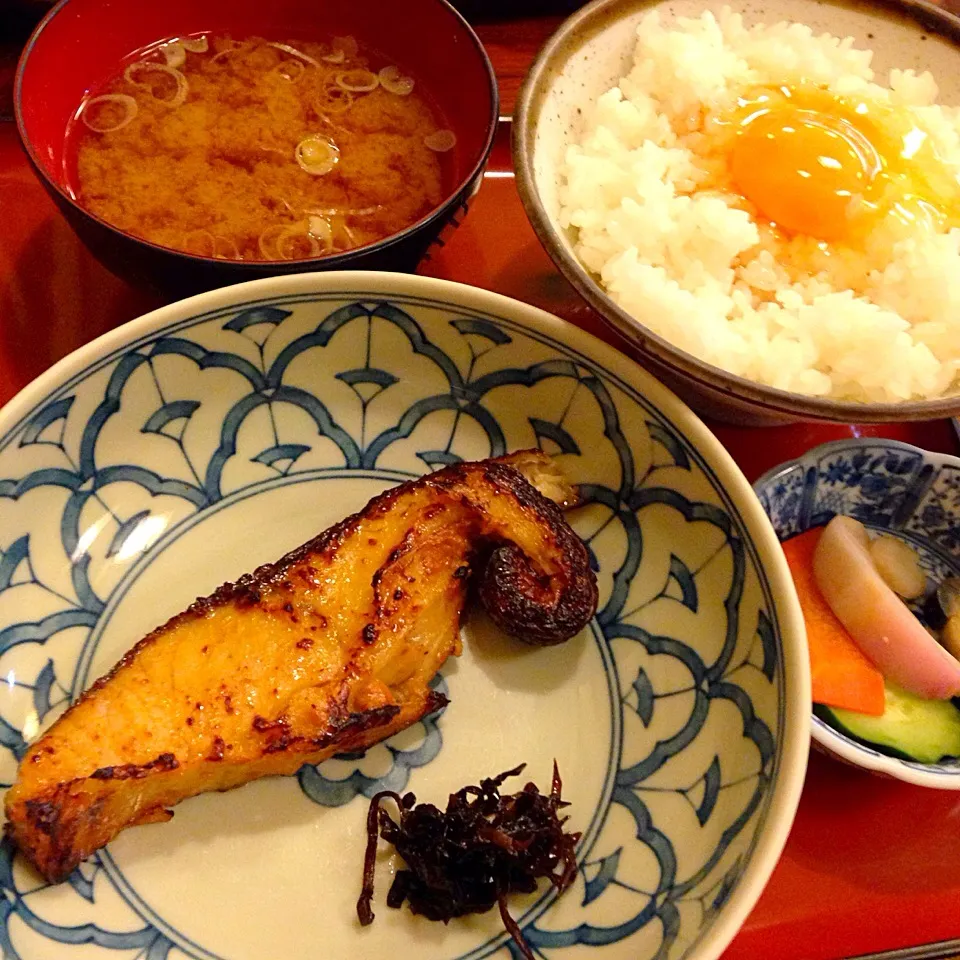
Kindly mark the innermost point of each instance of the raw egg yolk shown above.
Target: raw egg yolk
(832, 167)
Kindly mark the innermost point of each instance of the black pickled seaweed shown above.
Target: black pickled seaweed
(470, 857)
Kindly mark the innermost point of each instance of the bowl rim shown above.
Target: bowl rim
(787, 785)
(329, 261)
(577, 29)
(934, 775)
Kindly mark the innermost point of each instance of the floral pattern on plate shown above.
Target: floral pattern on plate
(889, 486)
(217, 440)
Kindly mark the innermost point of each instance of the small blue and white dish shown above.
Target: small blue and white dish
(215, 434)
(888, 486)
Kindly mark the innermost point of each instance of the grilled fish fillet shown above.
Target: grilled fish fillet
(330, 649)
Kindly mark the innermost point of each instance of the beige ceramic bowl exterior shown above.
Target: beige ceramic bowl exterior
(588, 55)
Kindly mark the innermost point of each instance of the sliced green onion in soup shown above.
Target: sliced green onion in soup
(344, 48)
(297, 243)
(291, 70)
(294, 52)
(226, 249)
(203, 243)
(137, 74)
(289, 241)
(199, 242)
(233, 46)
(332, 100)
(317, 155)
(357, 81)
(441, 141)
(174, 53)
(344, 211)
(319, 228)
(108, 112)
(267, 241)
(196, 44)
(394, 82)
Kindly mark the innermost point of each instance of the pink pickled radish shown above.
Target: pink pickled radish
(879, 622)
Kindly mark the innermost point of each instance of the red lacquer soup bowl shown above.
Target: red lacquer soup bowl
(81, 44)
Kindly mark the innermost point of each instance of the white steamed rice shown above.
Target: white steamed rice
(876, 325)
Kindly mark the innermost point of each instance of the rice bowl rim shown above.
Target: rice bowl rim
(583, 26)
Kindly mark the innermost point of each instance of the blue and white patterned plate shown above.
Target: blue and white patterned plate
(215, 434)
(887, 485)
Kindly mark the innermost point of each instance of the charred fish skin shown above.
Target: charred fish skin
(329, 649)
(519, 598)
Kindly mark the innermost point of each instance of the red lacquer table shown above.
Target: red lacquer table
(871, 865)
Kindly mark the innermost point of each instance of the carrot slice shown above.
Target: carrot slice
(842, 676)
